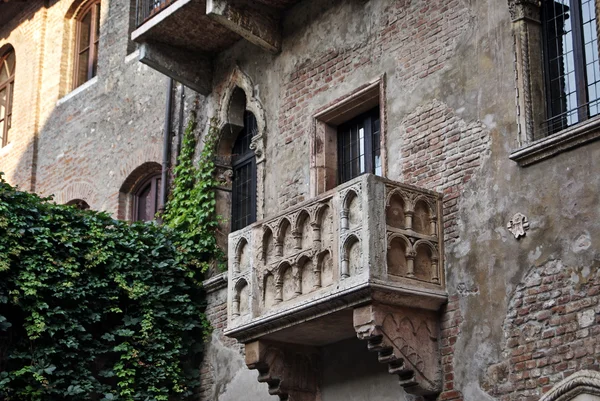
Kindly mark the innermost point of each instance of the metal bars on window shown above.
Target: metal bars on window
(571, 62)
(146, 9)
(359, 148)
(243, 202)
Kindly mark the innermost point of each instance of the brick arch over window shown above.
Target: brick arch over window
(135, 182)
(237, 103)
(80, 190)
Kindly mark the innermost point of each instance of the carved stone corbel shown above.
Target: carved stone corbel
(405, 339)
(291, 371)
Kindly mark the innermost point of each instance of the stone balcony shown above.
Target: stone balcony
(363, 259)
(181, 37)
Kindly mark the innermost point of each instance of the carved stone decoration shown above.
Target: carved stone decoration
(291, 371)
(576, 387)
(405, 339)
(518, 225)
(524, 9)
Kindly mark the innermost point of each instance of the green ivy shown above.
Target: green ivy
(191, 209)
(93, 308)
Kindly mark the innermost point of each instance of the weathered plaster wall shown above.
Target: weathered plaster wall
(522, 314)
(451, 125)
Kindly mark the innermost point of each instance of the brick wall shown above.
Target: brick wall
(96, 136)
(551, 331)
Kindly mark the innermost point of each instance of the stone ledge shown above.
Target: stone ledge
(81, 88)
(215, 283)
(374, 290)
(554, 144)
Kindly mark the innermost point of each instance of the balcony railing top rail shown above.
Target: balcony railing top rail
(146, 9)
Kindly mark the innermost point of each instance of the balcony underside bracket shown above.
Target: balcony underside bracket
(405, 339)
(191, 69)
(290, 370)
(258, 26)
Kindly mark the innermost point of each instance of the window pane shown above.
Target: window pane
(560, 62)
(3, 102)
(85, 27)
(82, 71)
(3, 72)
(590, 39)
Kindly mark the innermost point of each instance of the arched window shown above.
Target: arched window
(243, 203)
(7, 83)
(86, 45)
(146, 199)
(79, 204)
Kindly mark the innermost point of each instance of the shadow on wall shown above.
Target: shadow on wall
(100, 139)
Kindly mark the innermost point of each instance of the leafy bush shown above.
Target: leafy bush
(93, 308)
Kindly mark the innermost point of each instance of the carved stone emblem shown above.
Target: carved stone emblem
(518, 225)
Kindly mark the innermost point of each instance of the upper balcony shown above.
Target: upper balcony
(180, 37)
(361, 259)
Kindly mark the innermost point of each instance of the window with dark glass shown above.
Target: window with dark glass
(243, 202)
(572, 70)
(7, 83)
(78, 204)
(88, 34)
(359, 148)
(146, 199)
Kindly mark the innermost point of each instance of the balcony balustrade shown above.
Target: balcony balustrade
(361, 259)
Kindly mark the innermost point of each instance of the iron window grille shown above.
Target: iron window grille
(7, 85)
(243, 202)
(572, 70)
(88, 38)
(359, 146)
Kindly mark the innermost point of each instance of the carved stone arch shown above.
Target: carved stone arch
(424, 218)
(307, 277)
(267, 244)
(238, 96)
(280, 237)
(239, 248)
(394, 236)
(400, 256)
(229, 112)
(81, 190)
(324, 268)
(285, 282)
(426, 265)
(576, 387)
(348, 257)
(398, 210)
(346, 219)
(240, 304)
(302, 230)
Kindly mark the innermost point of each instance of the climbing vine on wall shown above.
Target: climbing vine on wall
(92, 308)
(191, 209)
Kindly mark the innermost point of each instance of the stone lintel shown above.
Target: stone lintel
(405, 339)
(291, 371)
(189, 68)
(258, 26)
